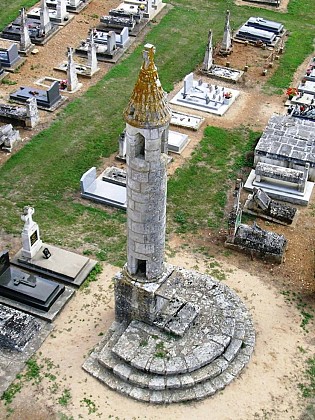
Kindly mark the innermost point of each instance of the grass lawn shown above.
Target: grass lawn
(46, 172)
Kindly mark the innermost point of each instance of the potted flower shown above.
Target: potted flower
(227, 97)
(291, 91)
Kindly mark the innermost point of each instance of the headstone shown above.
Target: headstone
(188, 83)
(72, 78)
(111, 42)
(92, 58)
(226, 44)
(31, 241)
(208, 60)
(9, 55)
(61, 10)
(45, 24)
(32, 115)
(25, 42)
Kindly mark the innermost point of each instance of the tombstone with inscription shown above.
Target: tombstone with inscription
(31, 241)
(9, 55)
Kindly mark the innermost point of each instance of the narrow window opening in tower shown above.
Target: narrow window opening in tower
(142, 267)
(164, 142)
(139, 152)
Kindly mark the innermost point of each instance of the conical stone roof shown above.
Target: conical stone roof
(148, 106)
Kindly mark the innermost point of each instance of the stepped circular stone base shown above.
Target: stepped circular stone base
(151, 365)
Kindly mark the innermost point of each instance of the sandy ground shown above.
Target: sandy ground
(267, 389)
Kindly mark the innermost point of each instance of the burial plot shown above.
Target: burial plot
(275, 3)
(307, 86)
(182, 119)
(303, 111)
(59, 15)
(8, 137)
(47, 100)
(26, 46)
(26, 116)
(48, 260)
(260, 31)
(204, 96)
(125, 16)
(9, 55)
(260, 204)
(72, 6)
(102, 191)
(176, 141)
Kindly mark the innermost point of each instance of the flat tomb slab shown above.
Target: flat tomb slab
(47, 100)
(81, 69)
(63, 265)
(280, 192)
(182, 119)
(177, 141)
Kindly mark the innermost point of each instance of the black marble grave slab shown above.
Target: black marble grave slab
(27, 288)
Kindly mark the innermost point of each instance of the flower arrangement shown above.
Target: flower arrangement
(292, 91)
(228, 95)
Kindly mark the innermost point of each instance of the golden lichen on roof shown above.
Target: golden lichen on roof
(148, 106)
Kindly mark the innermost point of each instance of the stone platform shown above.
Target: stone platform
(152, 365)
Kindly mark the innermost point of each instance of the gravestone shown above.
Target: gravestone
(111, 42)
(9, 55)
(26, 45)
(208, 60)
(91, 54)
(45, 24)
(31, 242)
(72, 79)
(16, 328)
(8, 137)
(226, 45)
(28, 289)
(62, 13)
(32, 115)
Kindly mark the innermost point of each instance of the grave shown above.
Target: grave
(282, 183)
(252, 239)
(21, 335)
(110, 45)
(47, 100)
(181, 119)
(178, 335)
(275, 3)
(48, 260)
(176, 141)
(8, 137)
(59, 15)
(73, 84)
(288, 142)
(72, 6)
(115, 175)
(260, 31)
(307, 86)
(33, 294)
(204, 96)
(27, 116)
(26, 46)
(261, 205)
(303, 111)
(310, 71)
(103, 191)
(226, 44)
(266, 25)
(9, 55)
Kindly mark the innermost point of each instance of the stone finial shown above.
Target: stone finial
(148, 105)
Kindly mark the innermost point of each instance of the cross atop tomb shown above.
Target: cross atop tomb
(27, 216)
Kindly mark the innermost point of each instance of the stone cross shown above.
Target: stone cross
(92, 58)
(208, 60)
(27, 216)
(25, 41)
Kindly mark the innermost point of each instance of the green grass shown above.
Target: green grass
(46, 172)
(308, 387)
(9, 9)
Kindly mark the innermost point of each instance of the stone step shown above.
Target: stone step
(142, 379)
(176, 316)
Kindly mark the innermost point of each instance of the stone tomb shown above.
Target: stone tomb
(55, 16)
(39, 257)
(20, 336)
(182, 119)
(204, 96)
(307, 86)
(260, 204)
(27, 116)
(9, 55)
(252, 239)
(47, 100)
(275, 3)
(102, 190)
(288, 142)
(72, 6)
(303, 111)
(259, 30)
(176, 141)
(31, 293)
(282, 183)
(8, 137)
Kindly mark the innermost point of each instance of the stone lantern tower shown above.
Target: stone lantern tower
(147, 119)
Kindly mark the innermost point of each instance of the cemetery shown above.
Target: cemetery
(166, 329)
